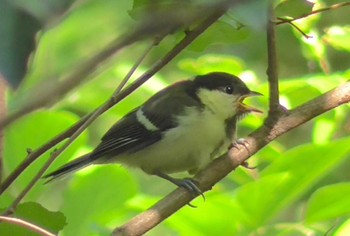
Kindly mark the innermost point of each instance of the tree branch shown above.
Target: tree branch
(333, 7)
(222, 166)
(3, 110)
(153, 25)
(77, 133)
(25, 224)
(272, 69)
(115, 99)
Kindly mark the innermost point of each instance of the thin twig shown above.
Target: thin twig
(33, 155)
(154, 24)
(156, 41)
(297, 28)
(333, 7)
(114, 100)
(222, 166)
(77, 133)
(160, 64)
(272, 69)
(27, 225)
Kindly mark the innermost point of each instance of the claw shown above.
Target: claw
(245, 164)
(191, 205)
(190, 184)
(241, 142)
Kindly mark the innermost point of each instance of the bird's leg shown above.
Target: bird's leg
(187, 183)
(241, 142)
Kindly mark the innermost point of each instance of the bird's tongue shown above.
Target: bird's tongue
(245, 108)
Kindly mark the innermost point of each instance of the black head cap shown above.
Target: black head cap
(221, 81)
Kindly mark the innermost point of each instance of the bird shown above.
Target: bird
(181, 128)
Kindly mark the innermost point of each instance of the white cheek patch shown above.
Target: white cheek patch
(140, 116)
(218, 102)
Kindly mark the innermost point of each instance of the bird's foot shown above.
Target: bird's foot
(238, 144)
(190, 184)
(241, 142)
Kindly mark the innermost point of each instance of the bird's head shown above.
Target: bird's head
(224, 94)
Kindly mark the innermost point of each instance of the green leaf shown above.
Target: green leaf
(212, 62)
(252, 14)
(328, 203)
(95, 198)
(289, 177)
(259, 201)
(219, 33)
(35, 214)
(17, 33)
(293, 8)
(44, 10)
(338, 37)
(343, 229)
(216, 216)
(301, 90)
(51, 64)
(30, 132)
(83, 100)
(324, 128)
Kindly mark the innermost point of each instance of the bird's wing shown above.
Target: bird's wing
(131, 134)
(125, 136)
(165, 105)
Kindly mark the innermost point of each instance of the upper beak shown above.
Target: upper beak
(253, 93)
(243, 108)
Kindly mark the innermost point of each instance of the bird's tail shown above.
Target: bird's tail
(72, 166)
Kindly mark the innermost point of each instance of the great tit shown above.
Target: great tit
(180, 128)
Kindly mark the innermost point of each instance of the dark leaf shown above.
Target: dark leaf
(17, 34)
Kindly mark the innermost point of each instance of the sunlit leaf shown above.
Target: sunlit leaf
(210, 63)
(293, 8)
(344, 229)
(338, 37)
(291, 175)
(31, 132)
(97, 198)
(329, 203)
(324, 128)
(219, 207)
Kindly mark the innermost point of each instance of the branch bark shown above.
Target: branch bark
(152, 26)
(332, 7)
(3, 110)
(222, 166)
(272, 69)
(115, 99)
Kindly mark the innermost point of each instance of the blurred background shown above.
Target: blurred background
(301, 182)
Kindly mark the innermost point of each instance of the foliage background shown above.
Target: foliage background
(301, 183)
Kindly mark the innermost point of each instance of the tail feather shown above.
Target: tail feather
(72, 166)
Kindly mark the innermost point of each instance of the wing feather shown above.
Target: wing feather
(130, 135)
(126, 136)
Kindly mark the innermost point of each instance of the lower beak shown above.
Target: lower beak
(243, 108)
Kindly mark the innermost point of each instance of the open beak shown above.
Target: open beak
(243, 108)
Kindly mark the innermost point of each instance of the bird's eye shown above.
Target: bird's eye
(229, 89)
